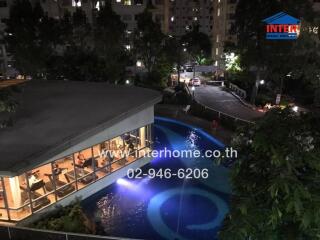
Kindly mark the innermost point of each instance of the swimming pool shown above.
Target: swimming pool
(167, 209)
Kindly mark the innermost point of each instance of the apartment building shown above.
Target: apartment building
(223, 17)
(183, 14)
(128, 10)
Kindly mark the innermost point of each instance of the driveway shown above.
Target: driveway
(222, 101)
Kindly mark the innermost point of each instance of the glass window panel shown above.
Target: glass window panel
(3, 210)
(18, 196)
(101, 152)
(142, 137)
(4, 214)
(131, 145)
(84, 165)
(64, 175)
(41, 183)
(2, 194)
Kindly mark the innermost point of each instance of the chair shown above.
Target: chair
(38, 201)
(70, 176)
(63, 190)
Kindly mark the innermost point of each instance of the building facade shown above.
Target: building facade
(224, 17)
(184, 14)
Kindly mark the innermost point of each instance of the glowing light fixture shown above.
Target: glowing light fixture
(139, 63)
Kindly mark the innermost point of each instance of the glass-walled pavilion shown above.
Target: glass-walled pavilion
(23, 195)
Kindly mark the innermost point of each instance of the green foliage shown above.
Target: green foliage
(66, 219)
(70, 48)
(77, 64)
(109, 38)
(29, 36)
(198, 44)
(8, 105)
(276, 179)
(148, 40)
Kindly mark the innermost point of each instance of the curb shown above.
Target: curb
(243, 102)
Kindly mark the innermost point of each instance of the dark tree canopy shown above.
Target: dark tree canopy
(273, 60)
(198, 44)
(276, 179)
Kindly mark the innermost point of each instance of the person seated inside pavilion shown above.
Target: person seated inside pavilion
(33, 179)
(56, 170)
(80, 159)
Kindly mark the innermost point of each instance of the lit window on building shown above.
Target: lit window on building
(76, 3)
(218, 12)
(98, 6)
(127, 2)
(172, 19)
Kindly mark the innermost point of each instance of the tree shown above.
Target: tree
(81, 29)
(197, 45)
(276, 179)
(109, 35)
(8, 105)
(148, 40)
(28, 36)
(175, 54)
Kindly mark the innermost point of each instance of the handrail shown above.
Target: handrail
(226, 114)
(219, 112)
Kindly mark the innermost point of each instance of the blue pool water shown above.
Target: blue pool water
(167, 209)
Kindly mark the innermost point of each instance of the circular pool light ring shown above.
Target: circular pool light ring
(155, 217)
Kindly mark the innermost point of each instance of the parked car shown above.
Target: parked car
(189, 69)
(195, 82)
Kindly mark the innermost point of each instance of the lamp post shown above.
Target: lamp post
(193, 89)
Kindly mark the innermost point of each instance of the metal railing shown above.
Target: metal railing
(210, 113)
(216, 113)
(242, 93)
(22, 233)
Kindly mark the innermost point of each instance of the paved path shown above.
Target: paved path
(216, 98)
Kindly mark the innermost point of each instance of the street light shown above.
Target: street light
(295, 108)
(139, 63)
(193, 89)
(262, 82)
(127, 82)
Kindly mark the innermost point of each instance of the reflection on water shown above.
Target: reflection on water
(116, 212)
(166, 209)
(192, 140)
(108, 208)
